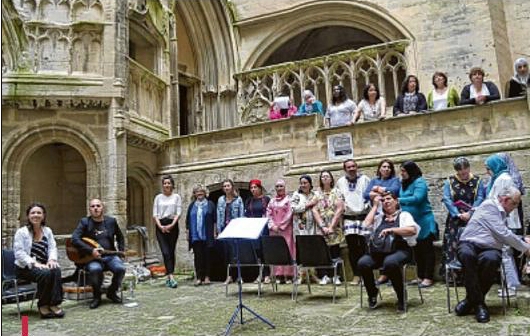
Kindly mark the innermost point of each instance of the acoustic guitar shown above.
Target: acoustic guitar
(77, 257)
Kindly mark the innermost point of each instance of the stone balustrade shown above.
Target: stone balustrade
(147, 93)
(383, 64)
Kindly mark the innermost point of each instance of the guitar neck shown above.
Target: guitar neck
(111, 252)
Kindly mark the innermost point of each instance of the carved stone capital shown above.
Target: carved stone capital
(138, 141)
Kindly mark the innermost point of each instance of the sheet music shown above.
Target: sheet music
(246, 228)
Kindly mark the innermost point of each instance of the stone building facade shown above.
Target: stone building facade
(101, 97)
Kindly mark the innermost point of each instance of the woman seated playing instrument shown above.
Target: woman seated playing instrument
(391, 222)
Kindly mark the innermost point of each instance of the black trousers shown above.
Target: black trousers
(168, 243)
(356, 249)
(424, 254)
(201, 253)
(49, 284)
(480, 267)
(391, 264)
(334, 251)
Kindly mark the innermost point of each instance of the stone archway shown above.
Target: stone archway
(140, 195)
(55, 175)
(23, 143)
(360, 16)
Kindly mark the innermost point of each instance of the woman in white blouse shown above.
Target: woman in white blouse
(167, 208)
(373, 106)
(442, 96)
(479, 91)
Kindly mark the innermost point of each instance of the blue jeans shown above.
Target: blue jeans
(95, 270)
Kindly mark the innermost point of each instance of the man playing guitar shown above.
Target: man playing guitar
(104, 230)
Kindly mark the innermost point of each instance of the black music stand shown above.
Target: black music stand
(237, 230)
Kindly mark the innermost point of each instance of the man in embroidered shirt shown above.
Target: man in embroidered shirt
(104, 230)
(480, 247)
(352, 186)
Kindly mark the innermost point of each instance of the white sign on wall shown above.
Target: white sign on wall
(340, 147)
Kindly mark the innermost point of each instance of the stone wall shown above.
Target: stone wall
(291, 147)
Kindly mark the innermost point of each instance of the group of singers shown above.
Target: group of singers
(483, 222)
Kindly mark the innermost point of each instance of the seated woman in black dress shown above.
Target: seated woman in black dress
(36, 261)
(392, 221)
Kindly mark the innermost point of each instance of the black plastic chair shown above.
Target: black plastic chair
(247, 258)
(276, 253)
(12, 289)
(451, 268)
(312, 252)
(411, 263)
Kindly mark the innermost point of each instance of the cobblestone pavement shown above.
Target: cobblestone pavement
(205, 310)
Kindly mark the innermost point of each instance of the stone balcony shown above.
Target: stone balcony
(383, 64)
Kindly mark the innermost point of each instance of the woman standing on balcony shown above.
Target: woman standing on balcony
(341, 110)
(520, 81)
(280, 217)
(442, 96)
(478, 92)
(410, 101)
(373, 106)
(167, 208)
(229, 206)
(282, 107)
(310, 105)
(413, 198)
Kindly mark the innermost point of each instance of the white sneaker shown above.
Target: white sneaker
(337, 281)
(325, 280)
(511, 292)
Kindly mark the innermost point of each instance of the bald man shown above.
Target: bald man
(106, 232)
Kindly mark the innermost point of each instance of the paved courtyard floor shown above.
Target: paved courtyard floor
(205, 310)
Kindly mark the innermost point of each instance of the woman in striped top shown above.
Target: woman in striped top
(36, 261)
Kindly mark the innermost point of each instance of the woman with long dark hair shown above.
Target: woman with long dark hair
(328, 216)
(167, 208)
(229, 206)
(411, 100)
(36, 260)
(413, 198)
(341, 110)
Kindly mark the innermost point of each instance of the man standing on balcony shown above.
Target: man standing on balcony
(351, 186)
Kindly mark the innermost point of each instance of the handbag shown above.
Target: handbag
(380, 244)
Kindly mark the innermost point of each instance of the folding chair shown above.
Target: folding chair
(411, 263)
(454, 266)
(312, 252)
(11, 288)
(247, 258)
(276, 253)
(82, 272)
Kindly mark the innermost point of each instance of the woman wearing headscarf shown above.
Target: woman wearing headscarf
(310, 105)
(500, 178)
(280, 217)
(256, 207)
(200, 223)
(413, 198)
(520, 81)
(462, 193)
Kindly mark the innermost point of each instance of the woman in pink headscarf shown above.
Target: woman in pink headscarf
(281, 224)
